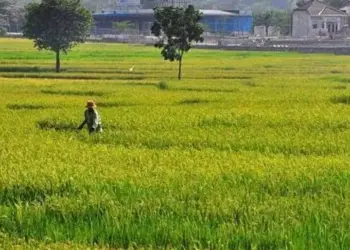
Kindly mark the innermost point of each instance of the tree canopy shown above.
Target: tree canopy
(277, 18)
(337, 3)
(57, 25)
(176, 29)
(334, 3)
(4, 15)
(125, 27)
(261, 5)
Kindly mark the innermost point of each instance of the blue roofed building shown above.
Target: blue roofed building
(237, 23)
(228, 22)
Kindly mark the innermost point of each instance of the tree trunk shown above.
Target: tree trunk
(180, 68)
(58, 62)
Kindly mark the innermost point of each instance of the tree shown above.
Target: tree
(278, 18)
(176, 29)
(264, 18)
(333, 3)
(11, 16)
(282, 21)
(146, 4)
(302, 2)
(4, 16)
(337, 3)
(124, 27)
(57, 25)
(16, 19)
(4, 7)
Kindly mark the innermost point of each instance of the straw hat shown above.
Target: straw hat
(90, 104)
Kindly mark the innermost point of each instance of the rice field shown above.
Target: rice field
(249, 151)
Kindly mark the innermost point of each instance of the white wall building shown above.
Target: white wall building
(315, 18)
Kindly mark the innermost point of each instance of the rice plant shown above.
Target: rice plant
(250, 151)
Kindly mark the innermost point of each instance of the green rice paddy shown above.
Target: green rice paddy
(249, 151)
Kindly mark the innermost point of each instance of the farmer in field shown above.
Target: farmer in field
(92, 118)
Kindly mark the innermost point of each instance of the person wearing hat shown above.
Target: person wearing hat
(92, 118)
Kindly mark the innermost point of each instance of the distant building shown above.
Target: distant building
(122, 4)
(179, 3)
(215, 21)
(316, 18)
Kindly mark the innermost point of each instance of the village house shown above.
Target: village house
(316, 19)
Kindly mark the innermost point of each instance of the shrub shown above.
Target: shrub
(163, 85)
(2, 31)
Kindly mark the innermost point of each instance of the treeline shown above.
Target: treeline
(265, 12)
(97, 5)
(255, 5)
(11, 11)
(282, 18)
(11, 16)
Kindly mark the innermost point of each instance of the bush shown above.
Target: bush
(163, 85)
(2, 31)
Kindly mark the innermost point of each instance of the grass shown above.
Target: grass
(56, 125)
(249, 151)
(114, 104)
(68, 76)
(193, 101)
(26, 106)
(69, 92)
(341, 99)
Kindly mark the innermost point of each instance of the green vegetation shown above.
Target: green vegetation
(125, 27)
(4, 15)
(276, 18)
(176, 29)
(57, 25)
(249, 151)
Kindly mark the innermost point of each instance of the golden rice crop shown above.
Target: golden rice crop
(249, 151)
